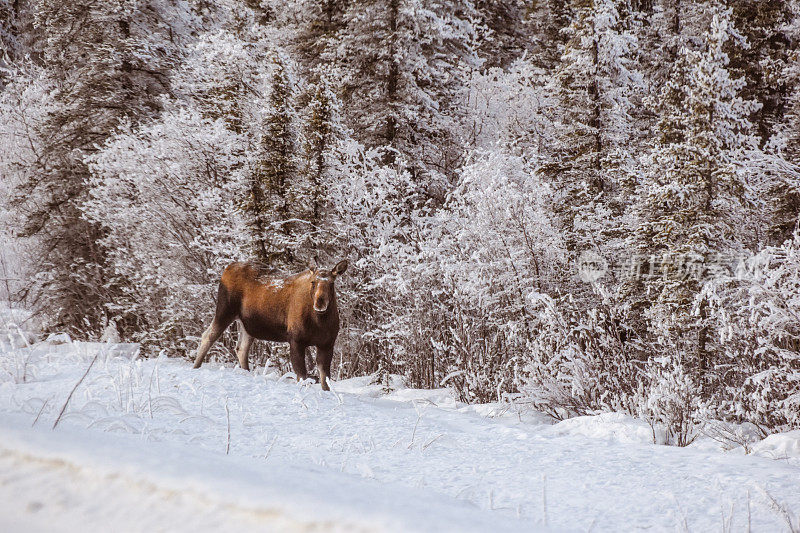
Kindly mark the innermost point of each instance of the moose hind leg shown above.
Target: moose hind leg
(243, 347)
(210, 336)
(297, 352)
(223, 317)
(324, 358)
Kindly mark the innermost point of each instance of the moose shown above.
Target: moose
(299, 309)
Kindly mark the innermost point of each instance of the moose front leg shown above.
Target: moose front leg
(297, 353)
(324, 358)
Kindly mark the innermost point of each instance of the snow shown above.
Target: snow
(144, 444)
(780, 446)
(613, 427)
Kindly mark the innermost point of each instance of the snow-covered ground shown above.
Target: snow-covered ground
(151, 444)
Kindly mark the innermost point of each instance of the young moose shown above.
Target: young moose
(300, 310)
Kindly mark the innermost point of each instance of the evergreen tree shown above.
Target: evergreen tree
(320, 22)
(272, 183)
(9, 38)
(781, 117)
(506, 34)
(322, 130)
(547, 23)
(760, 58)
(402, 64)
(691, 203)
(595, 83)
(105, 71)
(782, 194)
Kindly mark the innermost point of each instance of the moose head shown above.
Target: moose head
(322, 290)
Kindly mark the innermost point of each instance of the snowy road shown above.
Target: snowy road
(144, 442)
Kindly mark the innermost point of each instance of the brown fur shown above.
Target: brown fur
(300, 309)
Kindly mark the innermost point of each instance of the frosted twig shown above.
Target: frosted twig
(269, 450)
(150, 390)
(413, 433)
(544, 500)
(228, 417)
(781, 510)
(748, 511)
(683, 514)
(58, 419)
(40, 412)
(434, 439)
(726, 520)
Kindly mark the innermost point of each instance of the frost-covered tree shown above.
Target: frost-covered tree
(402, 65)
(510, 107)
(369, 221)
(165, 196)
(547, 24)
(271, 197)
(9, 38)
(596, 136)
(25, 103)
(490, 248)
(692, 202)
(761, 58)
(506, 31)
(319, 22)
(322, 131)
(108, 62)
(781, 194)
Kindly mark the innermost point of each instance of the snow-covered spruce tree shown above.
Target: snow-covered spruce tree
(761, 59)
(402, 64)
(781, 194)
(547, 24)
(507, 31)
(691, 210)
(322, 132)
(272, 195)
(317, 23)
(595, 132)
(110, 67)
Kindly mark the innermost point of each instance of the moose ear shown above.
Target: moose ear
(340, 267)
(313, 264)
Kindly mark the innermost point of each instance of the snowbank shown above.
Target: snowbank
(225, 442)
(258, 494)
(780, 446)
(610, 427)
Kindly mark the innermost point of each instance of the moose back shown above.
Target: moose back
(299, 309)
